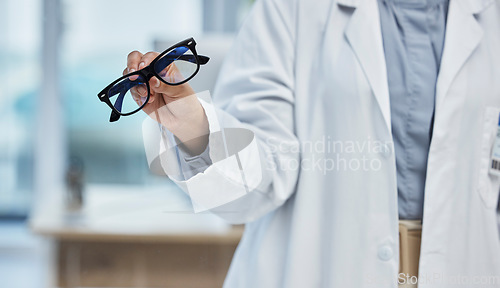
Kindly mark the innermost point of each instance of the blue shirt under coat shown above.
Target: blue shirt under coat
(413, 33)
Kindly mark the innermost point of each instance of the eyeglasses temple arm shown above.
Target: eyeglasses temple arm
(203, 59)
(118, 105)
(168, 59)
(114, 116)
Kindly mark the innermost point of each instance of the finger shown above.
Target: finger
(147, 59)
(157, 86)
(137, 98)
(132, 78)
(135, 92)
(177, 91)
(133, 60)
(152, 97)
(140, 94)
(141, 91)
(171, 75)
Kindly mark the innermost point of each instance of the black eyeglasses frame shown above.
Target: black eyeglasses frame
(147, 73)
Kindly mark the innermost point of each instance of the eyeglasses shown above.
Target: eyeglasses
(174, 66)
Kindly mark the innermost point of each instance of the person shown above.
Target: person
(336, 119)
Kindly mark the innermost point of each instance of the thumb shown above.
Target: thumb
(170, 91)
(158, 86)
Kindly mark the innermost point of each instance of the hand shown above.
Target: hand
(175, 107)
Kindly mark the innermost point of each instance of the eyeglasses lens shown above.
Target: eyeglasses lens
(176, 65)
(129, 94)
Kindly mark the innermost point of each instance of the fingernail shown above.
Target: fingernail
(157, 84)
(141, 65)
(130, 70)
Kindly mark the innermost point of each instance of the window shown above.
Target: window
(98, 35)
(20, 44)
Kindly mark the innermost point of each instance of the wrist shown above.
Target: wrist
(192, 131)
(190, 127)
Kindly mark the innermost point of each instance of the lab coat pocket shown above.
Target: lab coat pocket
(488, 184)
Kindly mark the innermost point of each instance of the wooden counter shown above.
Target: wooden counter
(113, 243)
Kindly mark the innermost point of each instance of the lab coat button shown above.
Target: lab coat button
(385, 253)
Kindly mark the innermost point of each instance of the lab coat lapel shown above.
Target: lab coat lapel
(463, 35)
(364, 35)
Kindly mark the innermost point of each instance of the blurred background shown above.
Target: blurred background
(78, 205)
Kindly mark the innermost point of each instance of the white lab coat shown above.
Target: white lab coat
(305, 72)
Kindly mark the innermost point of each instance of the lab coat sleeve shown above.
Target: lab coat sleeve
(252, 146)
(193, 164)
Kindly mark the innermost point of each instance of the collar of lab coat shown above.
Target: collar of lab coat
(474, 6)
(365, 38)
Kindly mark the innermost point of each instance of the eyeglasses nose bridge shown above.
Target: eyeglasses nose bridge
(147, 72)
